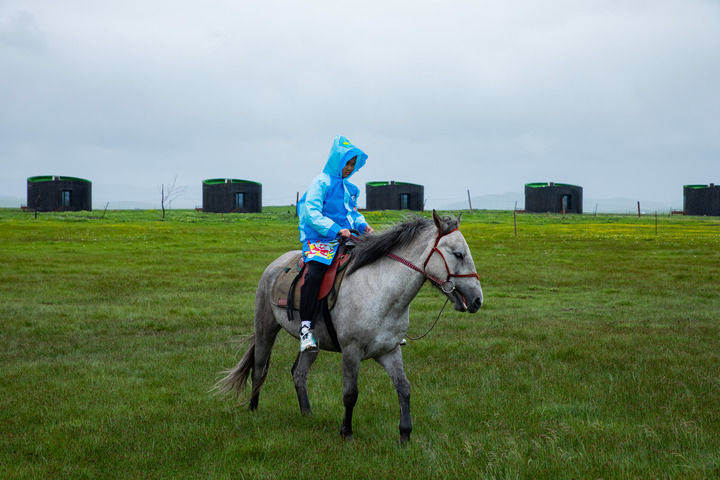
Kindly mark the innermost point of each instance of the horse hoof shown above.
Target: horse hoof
(347, 436)
(404, 438)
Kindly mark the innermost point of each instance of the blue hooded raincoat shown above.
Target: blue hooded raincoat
(330, 204)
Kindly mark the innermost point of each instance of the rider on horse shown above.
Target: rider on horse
(326, 211)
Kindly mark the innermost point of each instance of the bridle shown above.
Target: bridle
(447, 286)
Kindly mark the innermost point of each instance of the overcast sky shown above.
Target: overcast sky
(620, 97)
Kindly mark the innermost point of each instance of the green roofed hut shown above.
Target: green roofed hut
(394, 196)
(701, 200)
(53, 193)
(553, 197)
(231, 195)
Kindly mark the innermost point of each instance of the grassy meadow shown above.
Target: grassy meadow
(596, 354)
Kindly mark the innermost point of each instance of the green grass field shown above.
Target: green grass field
(596, 354)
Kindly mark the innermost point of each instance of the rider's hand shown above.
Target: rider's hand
(369, 229)
(344, 233)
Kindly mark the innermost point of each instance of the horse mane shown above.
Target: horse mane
(370, 248)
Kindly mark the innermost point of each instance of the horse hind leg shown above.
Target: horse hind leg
(350, 369)
(266, 330)
(300, 370)
(393, 364)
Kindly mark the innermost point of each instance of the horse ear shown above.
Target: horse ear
(443, 224)
(437, 221)
(458, 219)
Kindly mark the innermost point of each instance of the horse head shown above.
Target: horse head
(451, 262)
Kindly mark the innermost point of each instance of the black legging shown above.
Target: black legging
(310, 289)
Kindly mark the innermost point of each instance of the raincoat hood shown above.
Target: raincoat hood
(343, 151)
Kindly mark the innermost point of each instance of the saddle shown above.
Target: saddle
(286, 288)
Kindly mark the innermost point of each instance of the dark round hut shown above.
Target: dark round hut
(229, 195)
(701, 200)
(394, 196)
(52, 193)
(553, 197)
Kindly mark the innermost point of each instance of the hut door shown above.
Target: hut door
(65, 198)
(566, 203)
(239, 201)
(404, 201)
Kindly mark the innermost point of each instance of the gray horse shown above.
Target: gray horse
(371, 314)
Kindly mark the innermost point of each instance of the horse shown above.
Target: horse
(371, 314)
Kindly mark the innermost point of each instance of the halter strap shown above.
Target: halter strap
(411, 265)
(433, 279)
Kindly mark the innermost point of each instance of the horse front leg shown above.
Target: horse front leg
(350, 367)
(393, 364)
(300, 370)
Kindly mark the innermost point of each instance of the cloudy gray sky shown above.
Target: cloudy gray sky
(620, 97)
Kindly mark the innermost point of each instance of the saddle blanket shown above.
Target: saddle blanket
(329, 287)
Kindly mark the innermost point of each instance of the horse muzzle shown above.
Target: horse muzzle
(461, 302)
(475, 304)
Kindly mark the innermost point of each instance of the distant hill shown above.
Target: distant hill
(11, 202)
(626, 205)
(506, 201)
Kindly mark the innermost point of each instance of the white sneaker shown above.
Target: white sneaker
(307, 340)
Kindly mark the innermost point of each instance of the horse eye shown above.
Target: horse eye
(459, 255)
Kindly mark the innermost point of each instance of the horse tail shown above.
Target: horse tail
(235, 379)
